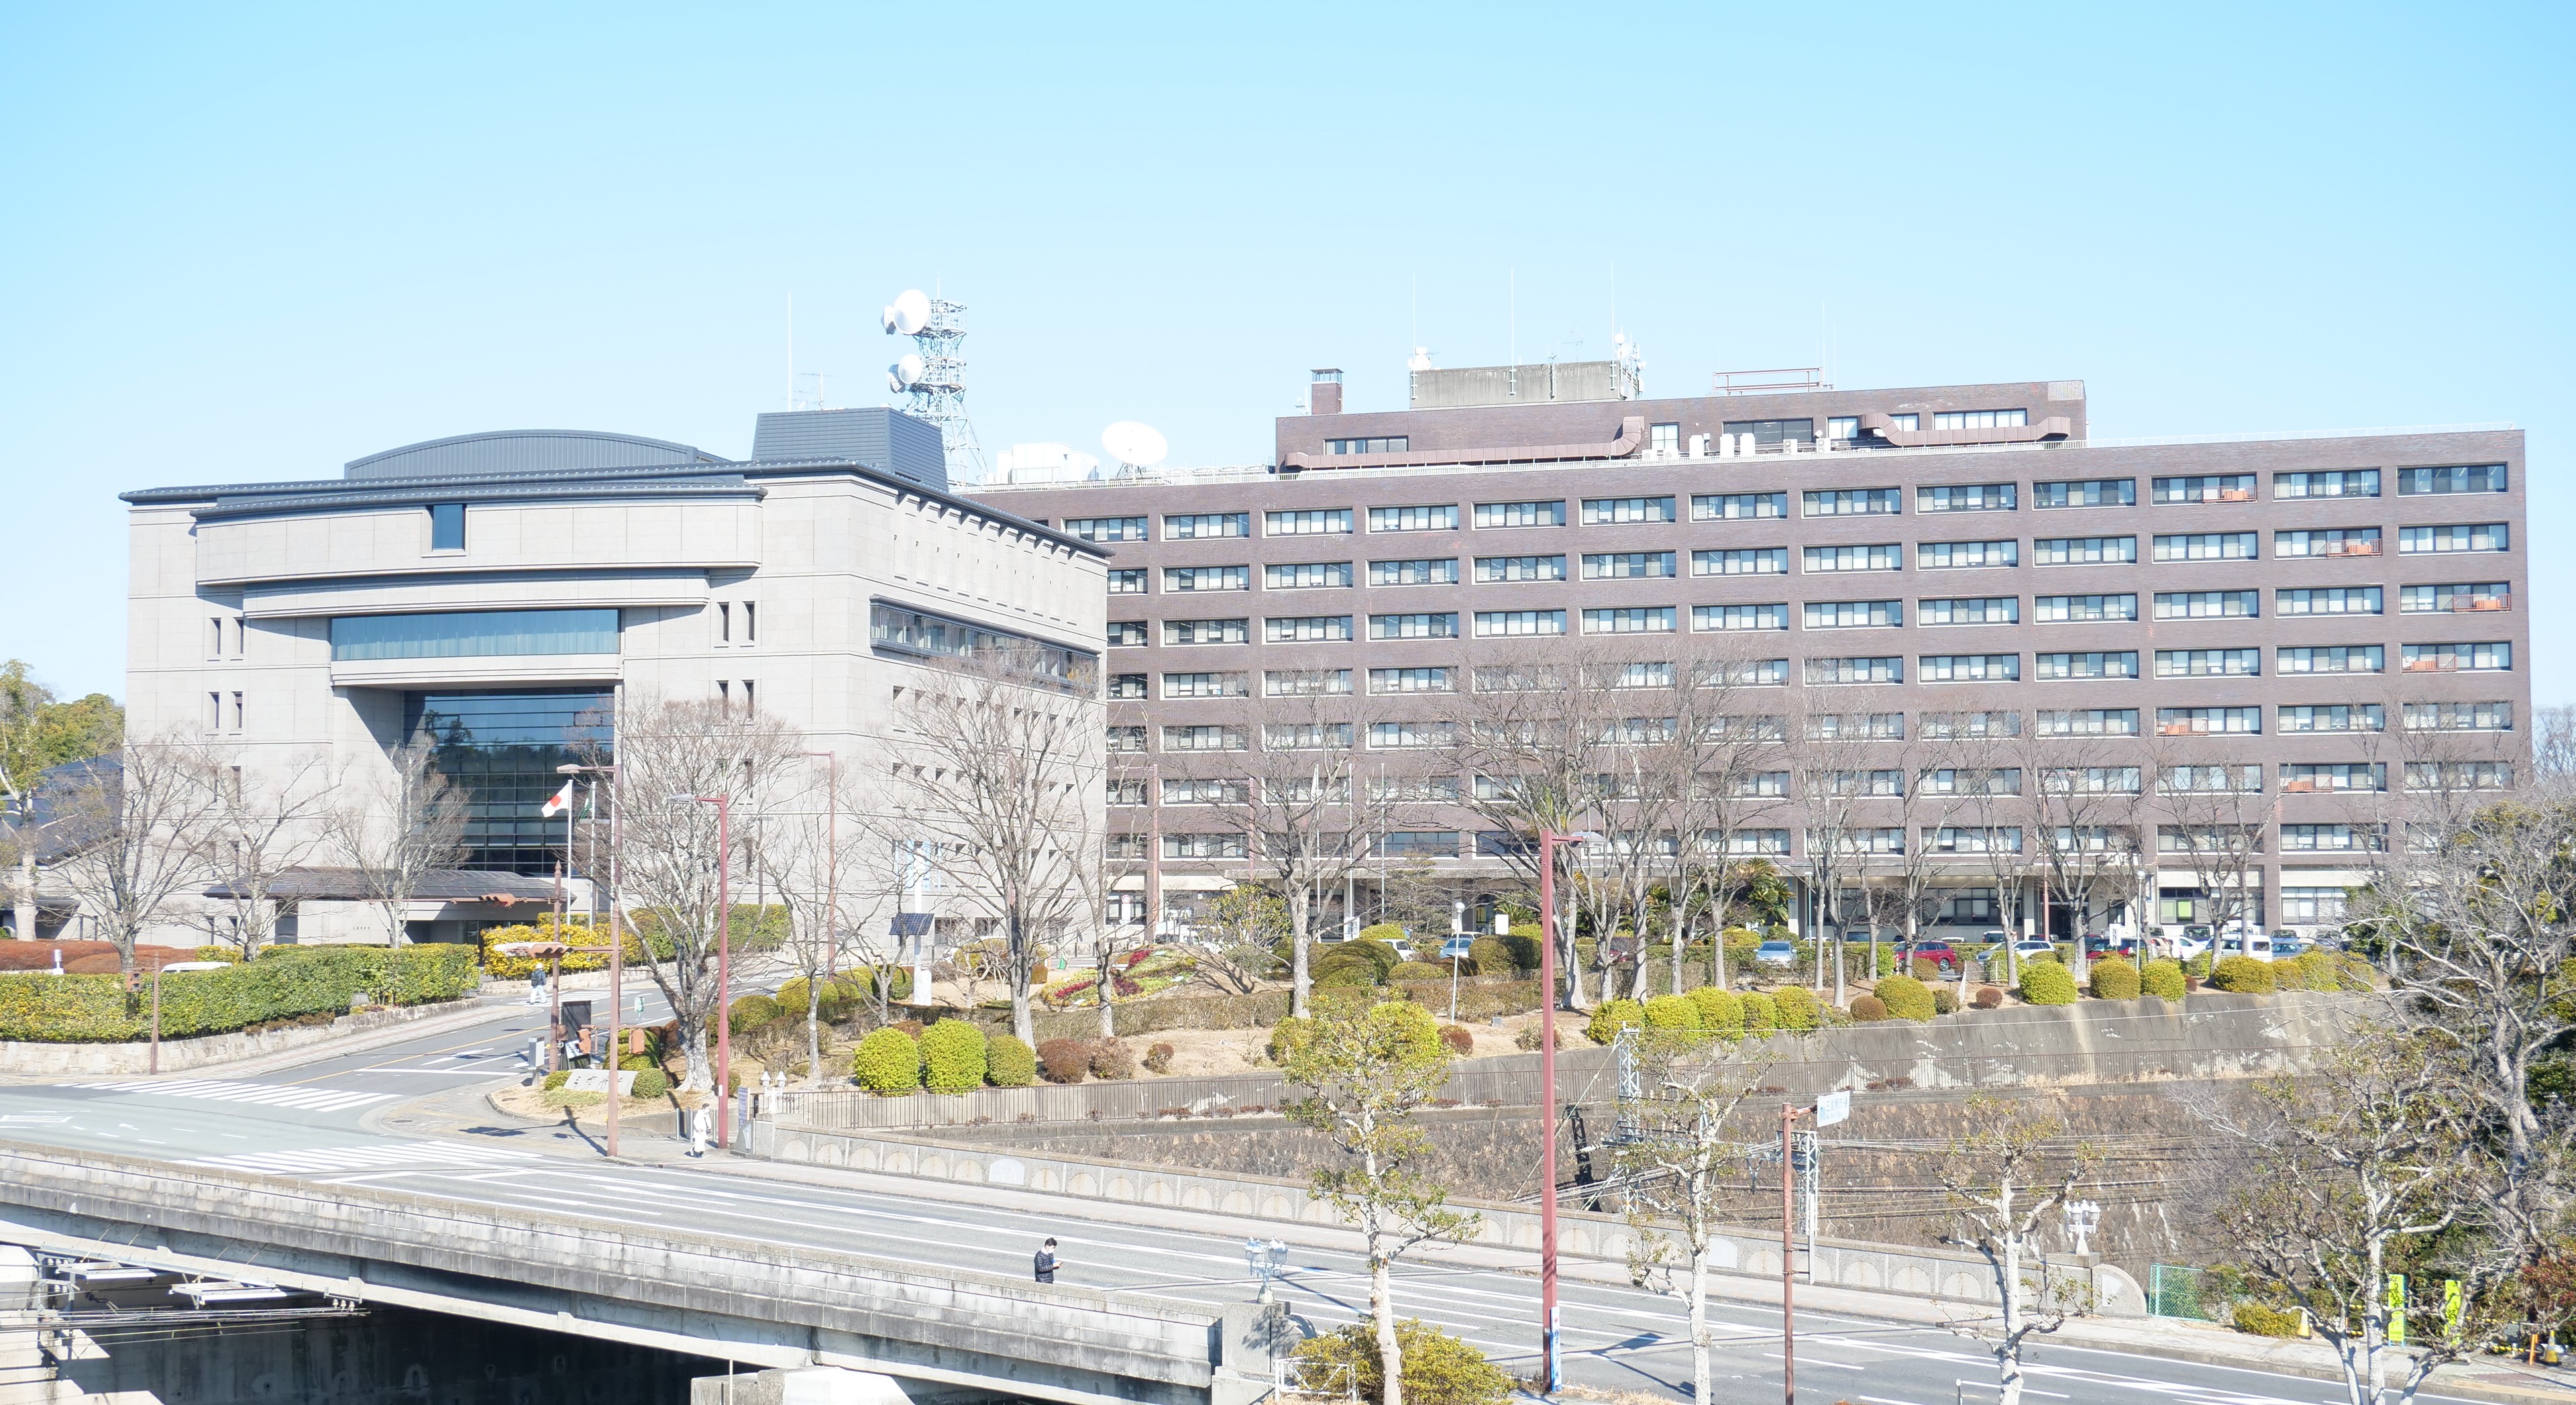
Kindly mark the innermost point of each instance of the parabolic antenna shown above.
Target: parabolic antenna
(909, 313)
(895, 380)
(1133, 444)
(912, 368)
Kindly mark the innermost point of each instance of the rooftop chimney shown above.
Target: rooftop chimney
(1324, 397)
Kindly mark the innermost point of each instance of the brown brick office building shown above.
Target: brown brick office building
(2281, 613)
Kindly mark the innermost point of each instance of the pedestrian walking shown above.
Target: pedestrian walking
(1046, 1262)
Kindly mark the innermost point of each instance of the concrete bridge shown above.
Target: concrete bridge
(883, 1331)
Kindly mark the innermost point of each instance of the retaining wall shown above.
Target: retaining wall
(2207, 1035)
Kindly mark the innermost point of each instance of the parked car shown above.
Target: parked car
(2286, 944)
(1776, 954)
(2026, 949)
(2099, 944)
(1943, 957)
(2180, 943)
(1456, 948)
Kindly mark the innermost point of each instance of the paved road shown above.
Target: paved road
(335, 1120)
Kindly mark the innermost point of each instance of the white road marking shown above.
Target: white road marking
(356, 1158)
(261, 1094)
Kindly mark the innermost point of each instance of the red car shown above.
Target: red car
(1943, 959)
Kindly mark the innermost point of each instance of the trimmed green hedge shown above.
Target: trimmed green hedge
(1720, 1012)
(1009, 1062)
(1611, 1017)
(2244, 975)
(1761, 1015)
(2047, 983)
(2115, 979)
(1797, 1009)
(952, 1057)
(1671, 1012)
(285, 983)
(1906, 998)
(887, 1062)
(2163, 979)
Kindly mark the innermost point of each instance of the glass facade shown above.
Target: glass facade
(473, 634)
(501, 749)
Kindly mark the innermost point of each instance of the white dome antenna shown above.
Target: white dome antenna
(1134, 445)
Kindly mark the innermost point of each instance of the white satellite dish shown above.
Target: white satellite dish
(895, 380)
(909, 313)
(1133, 444)
(912, 368)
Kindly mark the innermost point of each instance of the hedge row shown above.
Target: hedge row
(952, 1056)
(284, 983)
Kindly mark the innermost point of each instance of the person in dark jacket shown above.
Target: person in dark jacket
(1046, 1262)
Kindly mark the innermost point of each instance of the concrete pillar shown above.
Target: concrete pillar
(27, 1375)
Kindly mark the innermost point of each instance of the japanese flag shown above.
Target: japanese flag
(559, 802)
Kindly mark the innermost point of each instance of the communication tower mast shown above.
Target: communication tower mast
(934, 377)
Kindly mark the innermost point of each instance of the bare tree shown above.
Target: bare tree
(813, 852)
(1729, 753)
(668, 754)
(2217, 819)
(1679, 1172)
(255, 831)
(2359, 1170)
(2079, 796)
(1835, 781)
(2005, 1180)
(1005, 785)
(2553, 750)
(1532, 749)
(411, 823)
(1306, 818)
(134, 827)
(2477, 931)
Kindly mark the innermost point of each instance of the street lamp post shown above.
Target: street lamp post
(616, 935)
(724, 961)
(832, 869)
(1547, 846)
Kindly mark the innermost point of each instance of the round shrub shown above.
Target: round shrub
(1797, 1008)
(2114, 979)
(2047, 983)
(1009, 1062)
(1761, 1015)
(2318, 967)
(636, 1063)
(1524, 942)
(887, 1061)
(1112, 1060)
(1671, 1012)
(752, 1011)
(1720, 1012)
(1388, 934)
(1868, 1009)
(1353, 975)
(2163, 978)
(1611, 1017)
(952, 1057)
(1988, 997)
(1493, 956)
(1064, 1060)
(651, 1083)
(1418, 971)
(1945, 1001)
(1460, 1039)
(2244, 975)
(1907, 998)
(557, 1079)
(1159, 1058)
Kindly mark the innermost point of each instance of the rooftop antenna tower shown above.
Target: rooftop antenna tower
(933, 377)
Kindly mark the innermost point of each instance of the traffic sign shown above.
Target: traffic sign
(1833, 1108)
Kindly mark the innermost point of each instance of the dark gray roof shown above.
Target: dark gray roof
(437, 885)
(875, 435)
(60, 820)
(522, 451)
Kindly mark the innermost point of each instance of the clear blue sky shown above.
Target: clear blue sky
(255, 244)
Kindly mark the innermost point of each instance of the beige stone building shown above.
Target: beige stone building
(502, 595)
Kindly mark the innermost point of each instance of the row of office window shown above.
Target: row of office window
(1822, 502)
(1971, 782)
(2302, 903)
(2003, 552)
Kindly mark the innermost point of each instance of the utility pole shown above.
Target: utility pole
(1553, 1359)
(1827, 1111)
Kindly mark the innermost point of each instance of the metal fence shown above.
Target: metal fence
(2174, 1291)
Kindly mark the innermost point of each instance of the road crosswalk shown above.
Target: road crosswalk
(375, 1156)
(262, 1094)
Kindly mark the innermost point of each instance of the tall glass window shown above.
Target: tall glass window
(502, 749)
(473, 634)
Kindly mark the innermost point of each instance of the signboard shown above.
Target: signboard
(595, 1080)
(1833, 1108)
(911, 924)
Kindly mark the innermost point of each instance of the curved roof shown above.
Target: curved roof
(523, 451)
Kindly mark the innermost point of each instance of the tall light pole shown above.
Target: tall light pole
(724, 960)
(616, 937)
(1547, 846)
